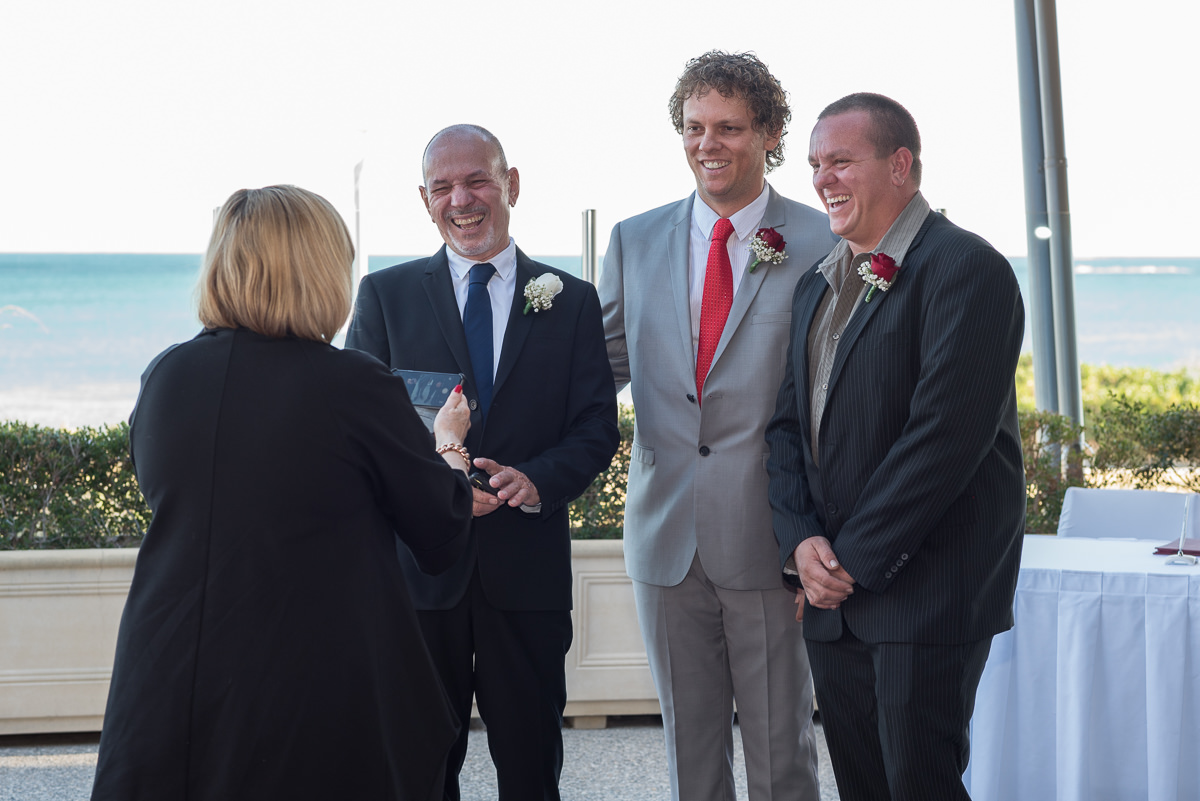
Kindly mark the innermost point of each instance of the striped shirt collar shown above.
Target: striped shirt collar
(895, 242)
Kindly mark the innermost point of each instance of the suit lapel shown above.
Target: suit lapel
(440, 289)
(802, 320)
(519, 323)
(679, 270)
(865, 311)
(858, 322)
(774, 217)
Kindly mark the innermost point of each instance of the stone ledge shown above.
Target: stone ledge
(60, 610)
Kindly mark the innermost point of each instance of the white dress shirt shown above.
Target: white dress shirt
(501, 289)
(745, 225)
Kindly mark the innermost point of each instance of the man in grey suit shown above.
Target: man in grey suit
(697, 323)
(896, 475)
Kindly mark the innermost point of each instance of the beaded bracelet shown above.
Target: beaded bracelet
(459, 449)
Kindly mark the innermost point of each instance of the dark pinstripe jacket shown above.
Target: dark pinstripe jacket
(920, 488)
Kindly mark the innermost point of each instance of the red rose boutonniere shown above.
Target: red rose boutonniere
(767, 245)
(880, 273)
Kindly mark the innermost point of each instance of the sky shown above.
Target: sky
(125, 123)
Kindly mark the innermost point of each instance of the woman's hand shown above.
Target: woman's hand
(453, 419)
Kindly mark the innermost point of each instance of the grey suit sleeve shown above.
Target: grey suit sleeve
(367, 331)
(612, 306)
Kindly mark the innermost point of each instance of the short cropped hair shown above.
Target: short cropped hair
(737, 75)
(278, 263)
(892, 127)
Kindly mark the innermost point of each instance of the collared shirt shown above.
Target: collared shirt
(745, 224)
(501, 289)
(841, 301)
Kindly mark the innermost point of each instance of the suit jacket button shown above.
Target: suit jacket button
(831, 508)
(473, 404)
(704, 451)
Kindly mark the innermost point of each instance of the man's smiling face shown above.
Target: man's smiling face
(726, 154)
(468, 194)
(862, 190)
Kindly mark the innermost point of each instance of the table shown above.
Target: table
(1095, 693)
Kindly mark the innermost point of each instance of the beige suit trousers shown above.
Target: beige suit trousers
(710, 647)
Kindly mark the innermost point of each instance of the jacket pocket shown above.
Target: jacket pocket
(891, 339)
(772, 317)
(642, 454)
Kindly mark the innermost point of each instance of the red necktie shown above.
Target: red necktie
(718, 297)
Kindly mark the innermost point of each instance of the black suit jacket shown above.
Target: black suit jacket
(553, 417)
(920, 486)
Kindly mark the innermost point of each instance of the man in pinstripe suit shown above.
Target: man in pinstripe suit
(896, 481)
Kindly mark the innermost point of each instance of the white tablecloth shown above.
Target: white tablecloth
(1095, 694)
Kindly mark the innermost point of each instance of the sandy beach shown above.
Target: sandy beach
(69, 407)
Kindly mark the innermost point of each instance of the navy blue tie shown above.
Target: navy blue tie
(477, 323)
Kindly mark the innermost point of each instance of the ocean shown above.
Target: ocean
(76, 330)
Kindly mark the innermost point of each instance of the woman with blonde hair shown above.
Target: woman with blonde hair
(268, 648)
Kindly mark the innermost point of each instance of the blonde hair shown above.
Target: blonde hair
(278, 263)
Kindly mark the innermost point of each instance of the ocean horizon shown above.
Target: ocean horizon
(76, 330)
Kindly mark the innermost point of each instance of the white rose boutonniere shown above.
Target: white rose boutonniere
(541, 291)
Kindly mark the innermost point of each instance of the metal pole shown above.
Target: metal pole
(1041, 293)
(1070, 400)
(360, 267)
(588, 268)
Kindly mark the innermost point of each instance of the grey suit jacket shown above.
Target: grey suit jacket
(698, 478)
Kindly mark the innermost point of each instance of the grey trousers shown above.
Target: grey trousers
(709, 647)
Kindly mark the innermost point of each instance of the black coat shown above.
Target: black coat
(553, 417)
(268, 648)
(920, 489)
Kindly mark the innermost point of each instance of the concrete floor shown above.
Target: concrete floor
(624, 762)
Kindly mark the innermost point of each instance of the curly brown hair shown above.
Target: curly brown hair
(742, 75)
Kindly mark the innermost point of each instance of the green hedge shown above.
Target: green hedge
(599, 513)
(1053, 461)
(1125, 444)
(76, 489)
(1156, 390)
(68, 489)
(1135, 446)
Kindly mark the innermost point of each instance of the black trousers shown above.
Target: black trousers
(512, 664)
(896, 715)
